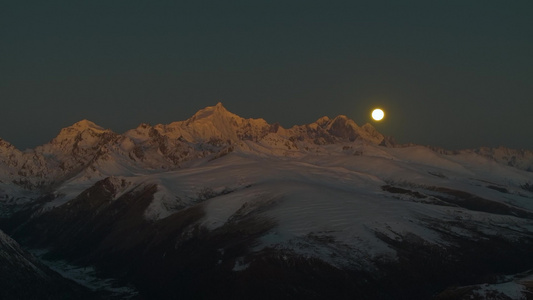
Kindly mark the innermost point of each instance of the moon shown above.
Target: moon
(378, 114)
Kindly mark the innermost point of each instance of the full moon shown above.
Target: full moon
(377, 114)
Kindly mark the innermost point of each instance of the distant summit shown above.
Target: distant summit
(210, 111)
(216, 123)
(86, 124)
(87, 149)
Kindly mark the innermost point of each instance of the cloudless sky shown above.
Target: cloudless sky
(455, 74)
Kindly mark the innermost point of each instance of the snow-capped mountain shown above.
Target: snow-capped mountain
(211, 132)
(222, 206)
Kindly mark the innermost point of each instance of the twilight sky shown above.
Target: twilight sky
(455, 74)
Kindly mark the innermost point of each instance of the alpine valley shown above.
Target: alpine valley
(222, 207)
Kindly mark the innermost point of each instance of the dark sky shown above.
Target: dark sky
(456, 74)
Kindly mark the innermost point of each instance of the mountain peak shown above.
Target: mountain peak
(83, 132)
(209, 111)
(6, 148)
(5, 144)
(322, 121)
(216, 122)
(86, 124)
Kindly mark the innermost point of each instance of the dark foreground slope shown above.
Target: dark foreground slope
(22, 276)
(178, 256)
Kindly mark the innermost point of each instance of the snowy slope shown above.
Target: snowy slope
(342, 195)
(352, 212)
(330, 197)
(516, 286)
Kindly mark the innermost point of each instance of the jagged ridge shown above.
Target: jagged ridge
(211, 132)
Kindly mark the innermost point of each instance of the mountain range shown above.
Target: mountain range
(218, 206)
